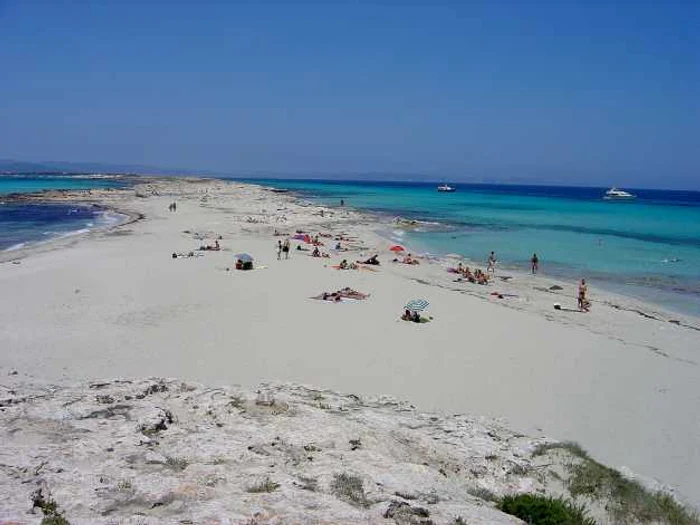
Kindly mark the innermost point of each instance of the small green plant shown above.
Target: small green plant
(570, 446)
(544, 510)
(266, 485)
(49, 508)
(482, 493)
(310, 484)
(624, 499)
(178, 464)
(125, 485)
(349, 488)
(237, 402)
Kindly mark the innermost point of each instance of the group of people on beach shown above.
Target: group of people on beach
(283, 249)
(406, 259)
(478, 276)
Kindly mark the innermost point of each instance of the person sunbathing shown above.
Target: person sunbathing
(352, 294)
(372, 260)
(343, 264)
(335, 297)
(408, 315)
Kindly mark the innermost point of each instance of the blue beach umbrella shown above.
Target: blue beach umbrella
(245, 257)
(417, 305)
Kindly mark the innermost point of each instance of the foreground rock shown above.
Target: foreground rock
(163, 451)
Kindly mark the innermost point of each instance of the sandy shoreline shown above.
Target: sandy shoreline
(622, 380)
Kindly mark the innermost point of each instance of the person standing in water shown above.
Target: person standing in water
(491, 263)
(535, 263)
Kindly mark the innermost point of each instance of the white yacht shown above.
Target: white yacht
(618, 194)
(445, 187)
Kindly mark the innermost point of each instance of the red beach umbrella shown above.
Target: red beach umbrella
(397, 248)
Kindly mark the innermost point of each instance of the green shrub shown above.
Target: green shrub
(266, 485)
(544, 510)
(349, 488)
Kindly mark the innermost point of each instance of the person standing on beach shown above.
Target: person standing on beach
(491, 263)
(535, 263)
(285, 248)
(279, 249)
(342, 202)
(583, 303)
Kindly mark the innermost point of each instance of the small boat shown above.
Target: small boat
(618, 194)
(445, 187)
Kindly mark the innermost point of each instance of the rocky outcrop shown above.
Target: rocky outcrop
(164, 451)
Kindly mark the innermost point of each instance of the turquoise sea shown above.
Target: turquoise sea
(647, 248)
(27, 223)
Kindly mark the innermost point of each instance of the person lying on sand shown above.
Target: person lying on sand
(335, 297)
(344, 293)
(352, 294)
(244, 265)
(344, 265)
(215, 247)
(480, 277)
(408, 315)
(408, 259)
(372, 260)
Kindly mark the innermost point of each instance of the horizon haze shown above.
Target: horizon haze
(545, 93)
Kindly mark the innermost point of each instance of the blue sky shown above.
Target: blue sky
(573, 92)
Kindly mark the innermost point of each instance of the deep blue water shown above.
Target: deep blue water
(22, 223)
(30, 182)
(649, 247)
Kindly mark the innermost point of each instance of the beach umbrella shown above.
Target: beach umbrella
(397, 248)
(417, 305)
(245, 257)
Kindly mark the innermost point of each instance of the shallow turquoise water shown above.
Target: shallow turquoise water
(649, 248)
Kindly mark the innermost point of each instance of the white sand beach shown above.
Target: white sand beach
(622, 380)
